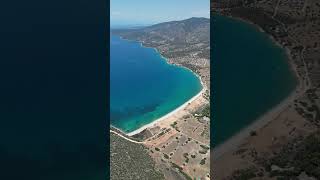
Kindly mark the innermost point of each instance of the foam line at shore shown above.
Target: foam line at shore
(236, 140)
(153, 123)
(167, 115)
(233, 142)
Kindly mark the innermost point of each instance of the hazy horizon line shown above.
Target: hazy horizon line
(140, 24)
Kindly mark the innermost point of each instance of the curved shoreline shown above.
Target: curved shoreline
(264, 119)
(237, 139)
(154, 123)
(165, 59)
(171, 113)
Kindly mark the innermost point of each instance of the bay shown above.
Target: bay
(143, 86)
(251, 76)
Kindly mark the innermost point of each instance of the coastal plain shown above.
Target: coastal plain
(283, 143)
(179, 143)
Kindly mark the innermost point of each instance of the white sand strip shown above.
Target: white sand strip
(154, 123)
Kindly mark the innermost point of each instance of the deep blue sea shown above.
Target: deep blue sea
(143, 86)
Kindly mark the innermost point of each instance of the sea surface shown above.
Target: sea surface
(143, 86)
(250, 76)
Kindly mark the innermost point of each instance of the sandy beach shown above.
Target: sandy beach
(233, 142)
(167, 119)
(236, 140)
(273, 130)
(185, 127)
(279, 126)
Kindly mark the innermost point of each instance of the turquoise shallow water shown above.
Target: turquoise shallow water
(143, 86)
(250, 76)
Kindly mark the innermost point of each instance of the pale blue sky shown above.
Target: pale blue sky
(146, 12)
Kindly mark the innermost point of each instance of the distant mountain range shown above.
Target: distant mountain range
(174, 37)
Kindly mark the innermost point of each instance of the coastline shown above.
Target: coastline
(165, 59)
(287, 50)
(174, 111)
(166, 116)
(233, 142)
